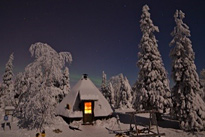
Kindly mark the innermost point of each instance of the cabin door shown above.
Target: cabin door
(88, 112)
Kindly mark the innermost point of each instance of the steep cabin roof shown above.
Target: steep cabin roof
(84, 90)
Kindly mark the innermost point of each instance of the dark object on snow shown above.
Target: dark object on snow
(85, 76)
(74, 128)
(3, 126)
(6, 122)
(37, 135)
(119, 135)
(57, 131)
(16, 95)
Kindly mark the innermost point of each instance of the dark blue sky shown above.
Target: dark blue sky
(100, 34)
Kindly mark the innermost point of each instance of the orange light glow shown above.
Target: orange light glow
(88, 108)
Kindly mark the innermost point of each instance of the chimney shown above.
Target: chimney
(85, 76)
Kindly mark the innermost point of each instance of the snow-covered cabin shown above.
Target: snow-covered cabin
(84, 101)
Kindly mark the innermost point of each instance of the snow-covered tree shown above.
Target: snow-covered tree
(128, 91)
(187, 103)
(7, 83)
(202, 81)
(121, 94)
(134, 95)
(104, 83)
(20, 87)
(65, 85)
(125, 91)
(112, 94)
(104, 87)
(8, 74)
(66, 81)
(152, 86)
(36, 108)
(116, 84)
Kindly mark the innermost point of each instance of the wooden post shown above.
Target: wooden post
(131, 121)
(156, 123)
(135, 123)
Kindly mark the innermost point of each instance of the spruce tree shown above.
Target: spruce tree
(7, 84)
(152, 85)
(187, 103)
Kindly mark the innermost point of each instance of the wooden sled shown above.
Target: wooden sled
(57, 131)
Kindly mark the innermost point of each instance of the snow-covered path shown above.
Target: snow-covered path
(86, 131)
(170, 128)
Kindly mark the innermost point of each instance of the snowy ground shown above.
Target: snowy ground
(170, 128)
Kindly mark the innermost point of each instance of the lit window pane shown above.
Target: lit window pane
(88, 108)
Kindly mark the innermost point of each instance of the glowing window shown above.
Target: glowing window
(88, 108)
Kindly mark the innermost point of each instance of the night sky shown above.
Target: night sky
(100, 34)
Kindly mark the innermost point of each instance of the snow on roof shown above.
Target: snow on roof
(84, 90)
(88, 97)
(9, 108)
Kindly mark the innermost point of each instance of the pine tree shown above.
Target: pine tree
(7, 84)
(187, 103)
(8, 74)
(152, 86)
(37, 105)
